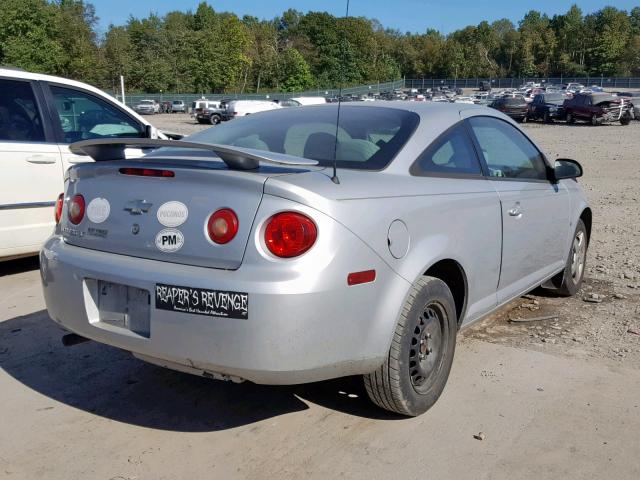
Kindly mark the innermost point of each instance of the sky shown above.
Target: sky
(404, 15)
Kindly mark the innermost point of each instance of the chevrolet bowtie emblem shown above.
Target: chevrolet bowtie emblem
(138, 207)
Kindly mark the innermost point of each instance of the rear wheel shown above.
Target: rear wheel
(569, 281)
(625, 120)
(419, 360)
(595, 121)
(570, 118)
(214, 119)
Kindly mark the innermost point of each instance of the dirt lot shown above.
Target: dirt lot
(556, 398)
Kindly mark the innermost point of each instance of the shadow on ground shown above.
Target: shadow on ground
(20, 265)
(111, 383)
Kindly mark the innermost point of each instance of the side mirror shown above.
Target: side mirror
(567, 168)
(148, 131)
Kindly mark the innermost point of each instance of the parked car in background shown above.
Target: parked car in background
(197, 106)
(242, 108)
(147, 107)
(178, 106)
(214, 113)
(598, 108)
(485, 86)
(634, 99)
(251, 264)
(515, 107)
(574, 87)
(300, 101)
(547, 107)
(40, 116)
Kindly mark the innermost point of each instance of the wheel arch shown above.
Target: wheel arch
(452, 273)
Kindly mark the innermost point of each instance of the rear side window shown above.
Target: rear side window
(20, 120)
(83, 116)
(506, 151)
(451, 154)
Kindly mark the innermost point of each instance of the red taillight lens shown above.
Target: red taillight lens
(222, 226)
(290, 234)
(75, 210)
(147, 172)
(58, 210)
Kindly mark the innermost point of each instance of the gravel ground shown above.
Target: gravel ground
(603, 325)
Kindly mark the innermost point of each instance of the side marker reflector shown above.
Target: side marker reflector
(356, 278)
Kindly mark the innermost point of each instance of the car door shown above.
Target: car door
(31, 178)
(81, 115)
(467, 208)
(535, 211)
(583, 107)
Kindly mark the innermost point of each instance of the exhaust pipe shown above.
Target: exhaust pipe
(71, 339)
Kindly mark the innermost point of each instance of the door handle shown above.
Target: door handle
(41, 159)
(516, 211)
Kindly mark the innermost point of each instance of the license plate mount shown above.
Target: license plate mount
(124, 307)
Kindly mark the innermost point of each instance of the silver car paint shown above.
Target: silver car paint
(305, 323)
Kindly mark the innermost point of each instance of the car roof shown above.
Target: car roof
(23, 75)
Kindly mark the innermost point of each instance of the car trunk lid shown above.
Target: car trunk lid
(163, 217)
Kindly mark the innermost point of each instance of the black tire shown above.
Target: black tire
(546, 118)
(417, 366)
(214, 119)
(568, 282)
(570, 118)
(595, 121)
(625, 120)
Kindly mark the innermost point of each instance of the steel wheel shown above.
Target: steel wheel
(417, 366)
(427, 352)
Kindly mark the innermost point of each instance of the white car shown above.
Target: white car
(40, 116)
(242, 108)
(301, 101)
(147, 107)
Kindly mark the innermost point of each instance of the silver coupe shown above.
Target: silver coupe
(297, 245)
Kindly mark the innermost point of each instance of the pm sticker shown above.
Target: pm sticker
(169, 240)
(172, 214)
(98, 210)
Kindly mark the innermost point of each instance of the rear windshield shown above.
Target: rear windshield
(367, 137)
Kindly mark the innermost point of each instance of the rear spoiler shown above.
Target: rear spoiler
(236, 158)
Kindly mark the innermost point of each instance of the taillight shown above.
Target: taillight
(290, 234)
(58, 210)
(222, 226)
(75, 210)
(147, 172)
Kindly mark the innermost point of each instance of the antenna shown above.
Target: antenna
(335, 178)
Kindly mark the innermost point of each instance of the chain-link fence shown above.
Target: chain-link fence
(188, 98)
(380, 87)
(601, 81)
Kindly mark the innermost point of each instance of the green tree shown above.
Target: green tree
(295, 72)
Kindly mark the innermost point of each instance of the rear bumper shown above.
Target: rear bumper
(304, 327)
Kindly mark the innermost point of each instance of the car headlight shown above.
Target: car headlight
(553, 109)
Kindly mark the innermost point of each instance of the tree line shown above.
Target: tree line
(211, 51)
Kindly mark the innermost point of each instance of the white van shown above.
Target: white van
(40, 116)
(242, 108)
